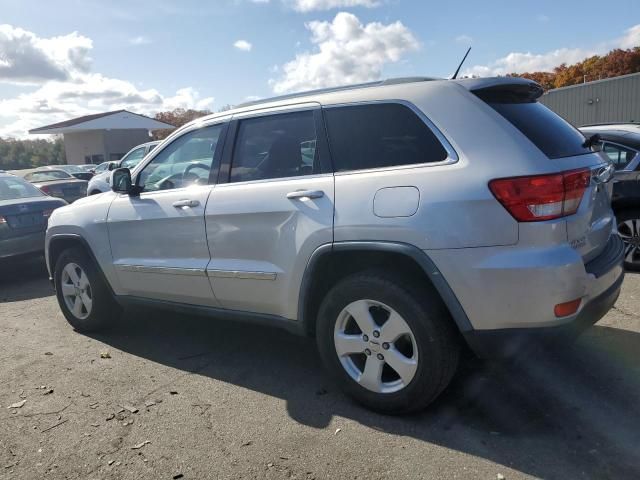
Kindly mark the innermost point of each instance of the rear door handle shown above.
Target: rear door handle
(186, 203)
(305, 194)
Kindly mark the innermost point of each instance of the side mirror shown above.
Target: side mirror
(111, 166)
(121, 180)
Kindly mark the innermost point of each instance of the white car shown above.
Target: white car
(101, 181)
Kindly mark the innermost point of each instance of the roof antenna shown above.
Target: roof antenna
(459, 66)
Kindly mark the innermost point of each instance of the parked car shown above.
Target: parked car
(101, 182)
(24, 211)
(88, 167)
(105, 167)
(621, 143)
(74, 170)
(56, 183)
(394, 221)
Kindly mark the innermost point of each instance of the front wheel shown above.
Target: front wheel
(388, 344)
(83, 296)
(629, 229)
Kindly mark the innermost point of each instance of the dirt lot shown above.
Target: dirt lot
(218, 400)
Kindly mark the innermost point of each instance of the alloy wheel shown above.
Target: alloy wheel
(376, 346)
(76, 291)
(630, 233)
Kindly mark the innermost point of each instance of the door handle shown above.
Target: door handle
(186, 203)
(298, 194)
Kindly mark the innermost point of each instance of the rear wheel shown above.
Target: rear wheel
(387, 344)
(83, 296)
(629, 229)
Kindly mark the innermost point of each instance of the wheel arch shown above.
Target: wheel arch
(58, 243)
(320, 270)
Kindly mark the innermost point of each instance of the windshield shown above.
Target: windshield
(13, 188)
(46, 176)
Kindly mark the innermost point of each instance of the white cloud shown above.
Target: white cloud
(519, 62)
(140, 40)
(347, 52)
(27, 58)
(466, 39)
(243, 45)
(631, 37)
(67, 89)
(311, 5)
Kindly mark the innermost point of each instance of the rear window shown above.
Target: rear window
(379, 135)
(47, 175)
(15, 188)
(548, 131)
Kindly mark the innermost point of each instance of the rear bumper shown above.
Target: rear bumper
(510, 342)
(12, 247)
(509, 294)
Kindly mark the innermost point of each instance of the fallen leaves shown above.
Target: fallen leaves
(19, 404)
(105, 354)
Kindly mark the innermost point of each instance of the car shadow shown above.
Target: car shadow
(24, 278)
(561, 415)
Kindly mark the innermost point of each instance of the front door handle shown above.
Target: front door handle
(298, 194)
(186, 203)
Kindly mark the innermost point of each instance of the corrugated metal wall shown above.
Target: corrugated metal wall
(604, 101)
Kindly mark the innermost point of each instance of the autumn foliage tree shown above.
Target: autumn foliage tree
(177, 118)
(615, 63)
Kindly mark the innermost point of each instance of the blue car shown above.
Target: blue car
(24, 213)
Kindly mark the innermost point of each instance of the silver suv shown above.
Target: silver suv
(395, 221)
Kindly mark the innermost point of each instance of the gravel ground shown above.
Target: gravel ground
(189, 396)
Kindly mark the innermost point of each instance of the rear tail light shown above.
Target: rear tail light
(542, 197)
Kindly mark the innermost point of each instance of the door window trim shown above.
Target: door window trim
(322, 145)
(451, 158)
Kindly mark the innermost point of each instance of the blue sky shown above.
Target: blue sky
(150, 56)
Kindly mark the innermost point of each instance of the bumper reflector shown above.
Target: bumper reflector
(567, 308)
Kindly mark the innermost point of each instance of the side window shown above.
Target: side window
(276, 146)
(619, 156)
(133, 158)
(379, 135)
(188, 160)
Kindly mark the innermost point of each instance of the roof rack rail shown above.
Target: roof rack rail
(377, 83)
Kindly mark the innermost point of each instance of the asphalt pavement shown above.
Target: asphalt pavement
(165, 396)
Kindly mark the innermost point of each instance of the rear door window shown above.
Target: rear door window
(548, 131)
(275, 146)
(378, 136)
(619, 156)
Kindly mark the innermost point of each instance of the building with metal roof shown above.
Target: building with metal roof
(611, 100)
(103, 136)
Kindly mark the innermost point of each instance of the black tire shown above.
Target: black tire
(622, 216)
(104, 309)
(430, 323)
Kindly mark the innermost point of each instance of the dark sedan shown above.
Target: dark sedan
(24, 212)
(621, 143)
(56, 183)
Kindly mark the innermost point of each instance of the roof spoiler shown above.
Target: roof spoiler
(503, 89)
